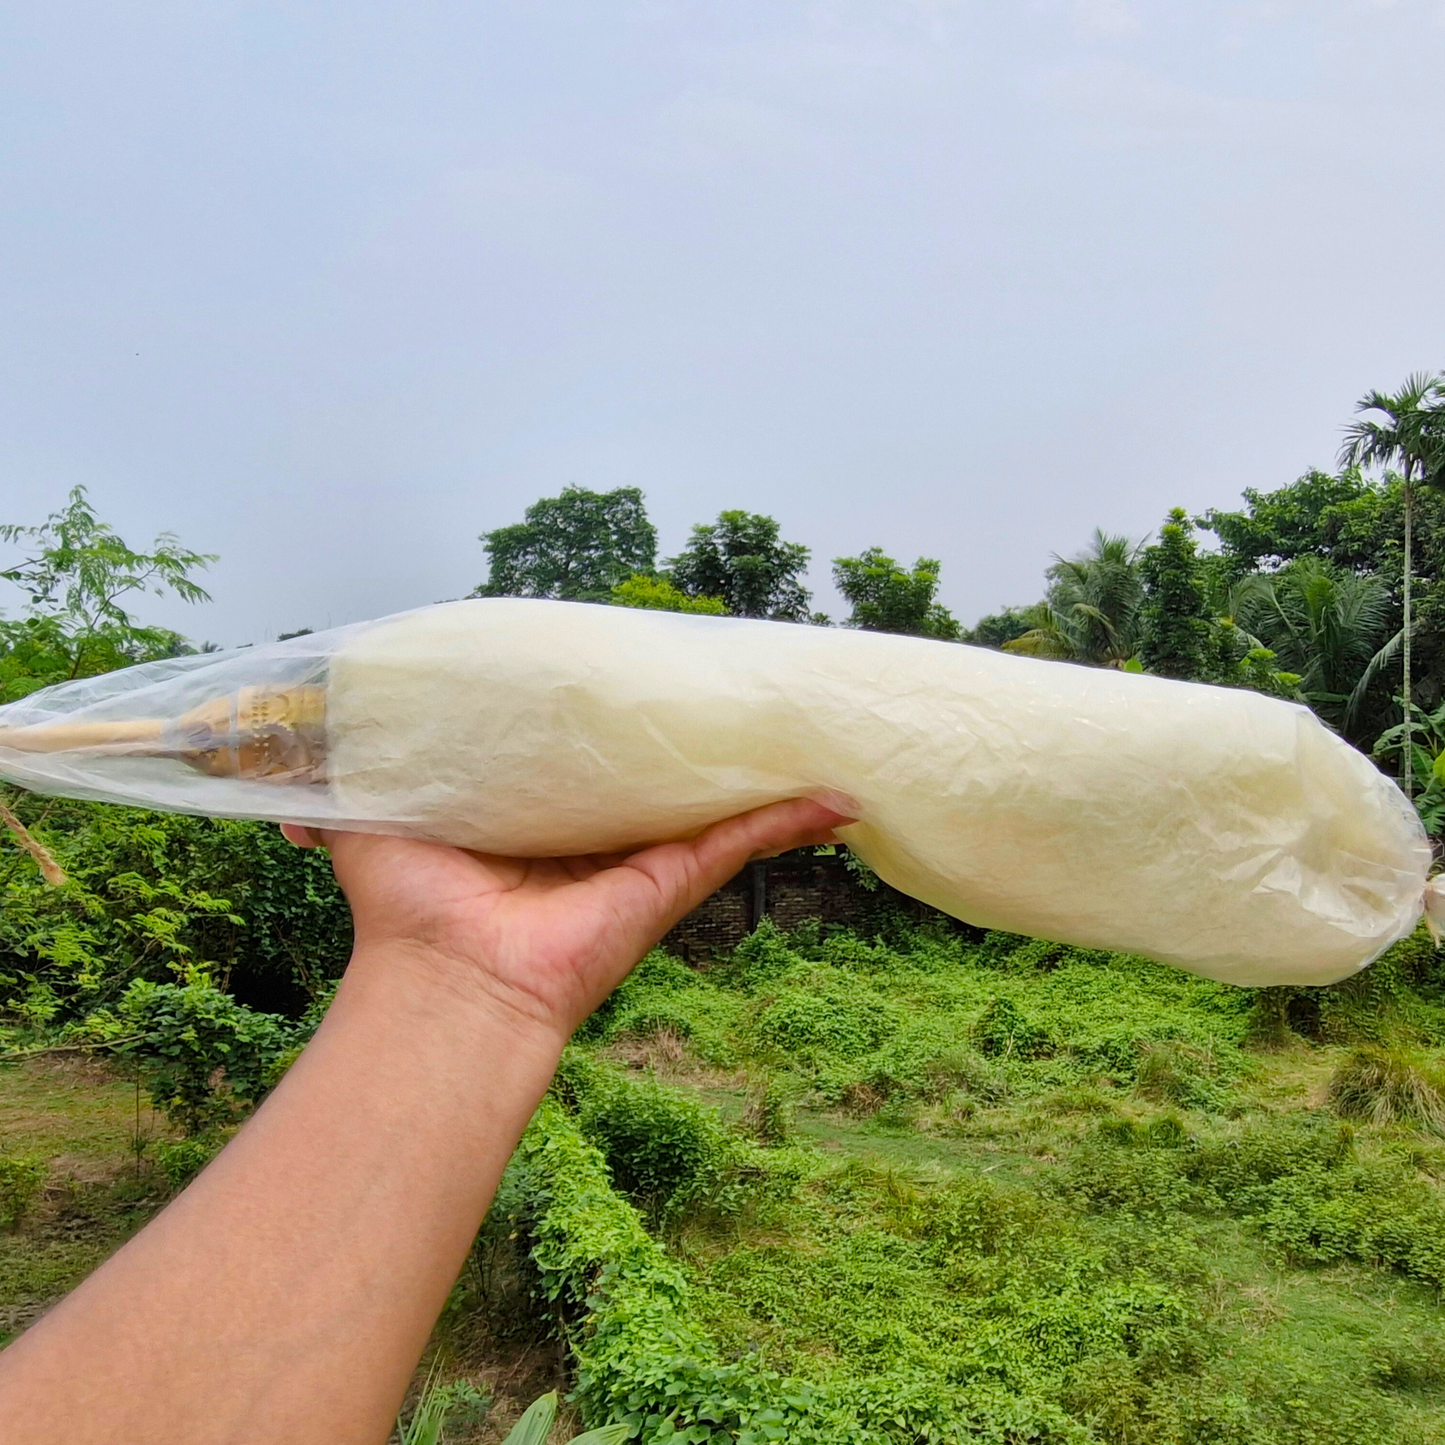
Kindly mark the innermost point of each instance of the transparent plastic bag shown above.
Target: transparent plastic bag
(1226, 832)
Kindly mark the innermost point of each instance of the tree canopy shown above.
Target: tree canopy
(80, 577)
(575, 547)
(886, 598)
(742, 559)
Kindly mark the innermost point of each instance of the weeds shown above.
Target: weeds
(1389, 1086)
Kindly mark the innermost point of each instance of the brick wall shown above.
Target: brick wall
(788, 889)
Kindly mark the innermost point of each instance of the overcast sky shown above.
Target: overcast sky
(329, 289)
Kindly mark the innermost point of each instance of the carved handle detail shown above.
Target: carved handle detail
(271, 733)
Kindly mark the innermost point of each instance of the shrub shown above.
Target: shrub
(762, 957)
(1387, 1086)
(965, 1070)
(1005, 1032)
(155, 896)
(205, 1058)
(810, 1023)
(663, 1149)
(21, 1179)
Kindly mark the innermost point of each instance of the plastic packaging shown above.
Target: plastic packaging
(1226, 832)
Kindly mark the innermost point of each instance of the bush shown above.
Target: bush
(1388, 1086)
(21, 1180)
(762, 957)
(204, 1058)
(156, 896)
(811, 1023)
(663, 1149)
(1005, 1032)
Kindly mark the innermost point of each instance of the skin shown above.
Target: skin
(288, 1293)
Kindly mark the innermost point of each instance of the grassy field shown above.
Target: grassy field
(84, 1122)
(1025, 1192)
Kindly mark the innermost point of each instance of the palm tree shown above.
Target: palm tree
(1324, 624)
(1411, 436)
(1091, 612)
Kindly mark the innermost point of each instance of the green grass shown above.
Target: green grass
(80, 1117)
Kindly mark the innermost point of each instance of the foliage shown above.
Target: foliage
(437, 1401)
(998, 628)
(79, 576)
(205, 1058)
(885, 598)
(659, 594)
(180, 1160)
(1174, 617)
(576, 547)
(22, 1177)
(742, 559)
(770, 1115)
(664, 1150)
(1091, 611)
(1328, 627)
(640, 1359)
(536, 1425)
(155, 895)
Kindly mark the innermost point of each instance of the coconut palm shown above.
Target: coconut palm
(1091, 612)
(1411, 437)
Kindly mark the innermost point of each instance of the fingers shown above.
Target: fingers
(704, 865)
(301, 837)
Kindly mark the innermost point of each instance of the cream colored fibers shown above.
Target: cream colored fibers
(1219, 830)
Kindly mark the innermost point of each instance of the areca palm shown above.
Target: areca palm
(1411, 436)
(1091, 613)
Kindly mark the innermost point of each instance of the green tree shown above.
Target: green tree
(1175, 619)
(885, 598)
(999, 628)
(742, 559)
(576, 547)
(658, 594)
(1091, 611)
(1411, 436)
(80, 577)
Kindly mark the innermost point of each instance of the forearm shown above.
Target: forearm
(286, 1294)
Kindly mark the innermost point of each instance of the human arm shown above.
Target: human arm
(286, 1295)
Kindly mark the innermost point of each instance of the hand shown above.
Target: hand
(545, 939)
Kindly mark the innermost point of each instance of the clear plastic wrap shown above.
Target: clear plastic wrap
(1219, 830)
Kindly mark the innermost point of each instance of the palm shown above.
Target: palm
(1411, 436)
(549, 937)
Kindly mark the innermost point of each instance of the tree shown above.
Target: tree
(1411, 436)
(1175, 619)
(576, 547)
(741, 559)
(999, 628)
(1327, 625)
(658, 594)
(885, 598)
(80, 576)
(1091, 611)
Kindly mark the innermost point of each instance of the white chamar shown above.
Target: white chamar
(1217, 829)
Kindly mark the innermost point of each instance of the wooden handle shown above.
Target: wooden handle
(270, 733)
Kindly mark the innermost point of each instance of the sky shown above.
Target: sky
(330, 289)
